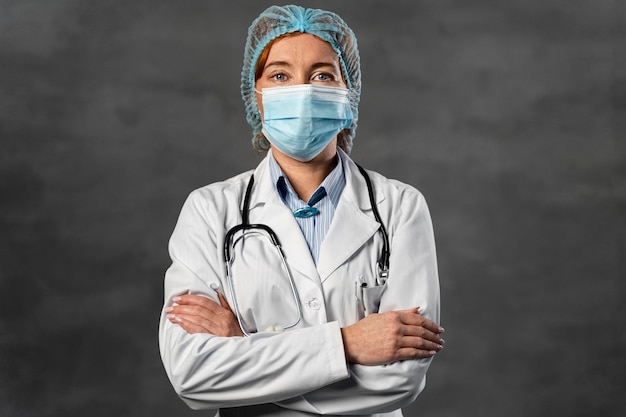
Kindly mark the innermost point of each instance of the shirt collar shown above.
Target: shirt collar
(334, 183)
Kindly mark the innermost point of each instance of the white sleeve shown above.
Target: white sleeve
(210, 372)
(413, 282)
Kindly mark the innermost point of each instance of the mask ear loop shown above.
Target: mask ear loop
(261, 93)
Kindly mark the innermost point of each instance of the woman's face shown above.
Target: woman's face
(299, 59)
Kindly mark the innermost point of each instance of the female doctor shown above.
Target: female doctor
(306, 286)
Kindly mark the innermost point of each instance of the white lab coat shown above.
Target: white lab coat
(301, 371)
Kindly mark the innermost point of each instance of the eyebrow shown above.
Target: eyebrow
(287, 64)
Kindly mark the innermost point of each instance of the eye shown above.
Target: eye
(324, 76)
(279, 76)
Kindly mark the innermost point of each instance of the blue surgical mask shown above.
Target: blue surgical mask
(301, 120)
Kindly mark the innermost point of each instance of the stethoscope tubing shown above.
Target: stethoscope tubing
(382, 263)
(281, 255)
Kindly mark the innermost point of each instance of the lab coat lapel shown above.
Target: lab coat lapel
(267, 208)
(352, 225)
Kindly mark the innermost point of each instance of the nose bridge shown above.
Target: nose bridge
(302, 77)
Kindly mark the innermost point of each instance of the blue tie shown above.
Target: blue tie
(309, 211)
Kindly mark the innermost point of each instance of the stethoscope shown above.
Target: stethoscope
(245, 226)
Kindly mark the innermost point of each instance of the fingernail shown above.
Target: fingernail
(179, 319)
(432, 353)
(168, 309)
(170, 317)
(176, 299)
(441, 329)
(443, 342)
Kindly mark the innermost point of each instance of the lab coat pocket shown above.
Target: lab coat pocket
(371, 298)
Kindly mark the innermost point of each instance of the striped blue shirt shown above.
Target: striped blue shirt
(313, 228)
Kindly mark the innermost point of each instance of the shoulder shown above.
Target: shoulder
(399, 204)
(218, 197)
(231, 186)
(401, 199)
(387, 190)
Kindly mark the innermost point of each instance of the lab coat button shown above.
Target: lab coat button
(315, 304)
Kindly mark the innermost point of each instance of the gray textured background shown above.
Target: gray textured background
(508, 116)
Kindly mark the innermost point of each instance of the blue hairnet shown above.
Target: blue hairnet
(328, 26)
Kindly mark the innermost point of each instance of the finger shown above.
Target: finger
(190, 310)
(201, 312)
(197, 300)
(186, 323)
(411, 318)
(420, 343)
(413, 353)
(191, 299)
(422, 332)
(195, 324)
(205, 308)
(223, 301)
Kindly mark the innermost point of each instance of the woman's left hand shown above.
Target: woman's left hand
(198, 314)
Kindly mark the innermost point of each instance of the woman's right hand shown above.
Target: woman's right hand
(392, 336)
(198, 314)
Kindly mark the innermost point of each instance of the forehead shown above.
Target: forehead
(301, 47)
